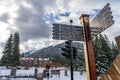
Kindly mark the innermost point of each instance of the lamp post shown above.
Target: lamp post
(71, 53)
(71, 21)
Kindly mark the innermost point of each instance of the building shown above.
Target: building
(37, 62)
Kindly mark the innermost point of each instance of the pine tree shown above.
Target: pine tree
(104, 53)
(97, 52)
(16, 52)
(11, 53)
(115, 50)
(79, 62)
(7, 53)
(108, 51)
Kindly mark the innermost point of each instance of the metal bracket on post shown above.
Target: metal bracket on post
(88, 49)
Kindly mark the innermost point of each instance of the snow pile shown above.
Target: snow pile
(23, 72)
(22, 79)
(5, 72)
(40, 70)
(2, 67)
(77, 76)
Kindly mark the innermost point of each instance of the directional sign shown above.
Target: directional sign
(103, 19)
(67, 32)
(100, 22)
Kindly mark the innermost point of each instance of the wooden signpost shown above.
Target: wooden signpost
(88, 49)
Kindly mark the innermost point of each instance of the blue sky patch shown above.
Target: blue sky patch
(93, 15)
(96, 10)
(51, 17)
(66, 14)
(56, 17)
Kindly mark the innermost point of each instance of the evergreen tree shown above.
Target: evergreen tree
(97, 51)
(79, 62)
(11, 53)
(115, 50)
(104, 53)
(16, 52)
(108, 51)
(7, 53)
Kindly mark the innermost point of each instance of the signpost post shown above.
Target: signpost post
(88, 49)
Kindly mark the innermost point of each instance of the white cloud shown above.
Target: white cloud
(27, 16)
(4, 32)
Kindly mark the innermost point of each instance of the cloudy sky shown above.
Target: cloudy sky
(33, 19)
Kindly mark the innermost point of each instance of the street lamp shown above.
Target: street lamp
(71, 53)
(71, 21)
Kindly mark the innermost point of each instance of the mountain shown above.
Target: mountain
(28, 53)
(53, 51)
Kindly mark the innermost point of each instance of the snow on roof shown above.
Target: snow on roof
(31, 58)
(46, 59)
(24, 58)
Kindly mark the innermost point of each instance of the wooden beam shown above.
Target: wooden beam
(88, 49)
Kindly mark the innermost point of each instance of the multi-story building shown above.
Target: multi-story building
(27, 61)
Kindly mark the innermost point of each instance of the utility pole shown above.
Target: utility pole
(88, 49)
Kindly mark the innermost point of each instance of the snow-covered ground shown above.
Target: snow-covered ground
(77, 76)
(20, 79)
(5, 72)
(25, 72)
(30, 72)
